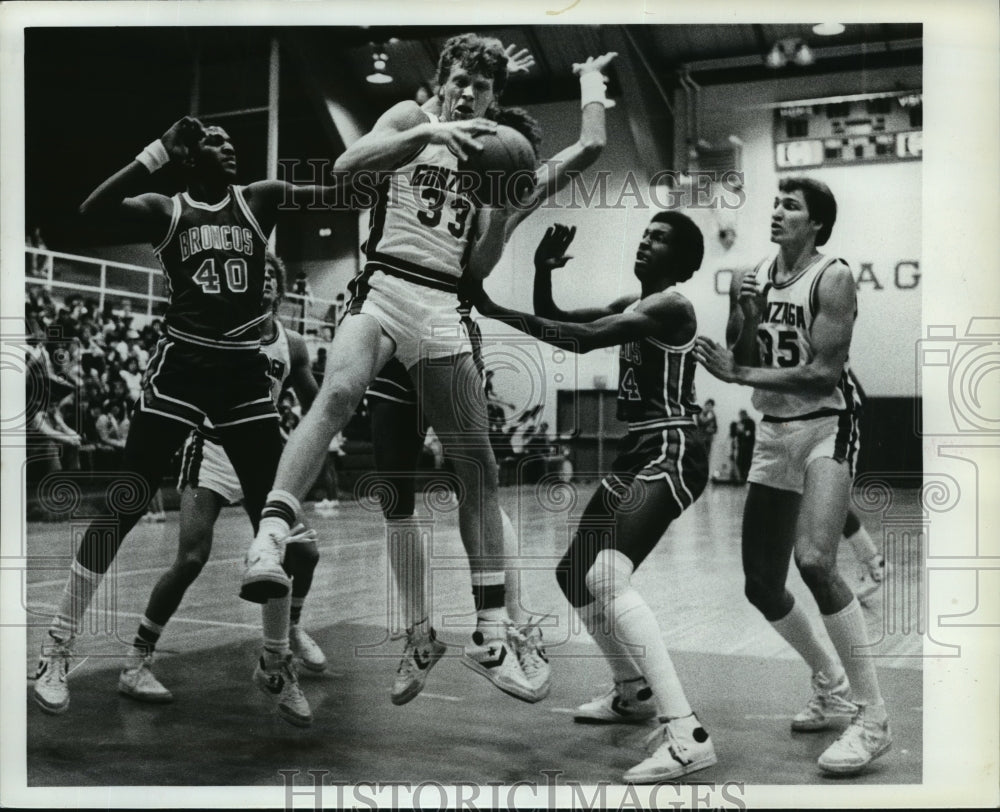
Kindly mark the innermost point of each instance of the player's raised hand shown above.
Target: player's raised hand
(518, 61)
(551, 251)
(594, 63)
(460, 136)
(751, 298)
(183, 135)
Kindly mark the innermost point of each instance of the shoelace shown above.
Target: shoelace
(60, 660)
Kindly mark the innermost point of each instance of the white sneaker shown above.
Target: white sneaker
(51, 692)
(263, 576)
(870, 577)
(496, 660)
(828, 702)
(307, 652)
(420, 655)
(139, 682)
(278, 680)
(858, 746)
(628, 702)
(530, 652)
(678, 747)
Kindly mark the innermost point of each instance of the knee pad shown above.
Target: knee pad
(609, 576)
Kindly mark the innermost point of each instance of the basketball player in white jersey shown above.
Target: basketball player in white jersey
(789, 335)
(424, 234)
(397, 432)
(208, 482)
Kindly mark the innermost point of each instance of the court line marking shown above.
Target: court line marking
(444, 697)
(164, 568)
(194, 621)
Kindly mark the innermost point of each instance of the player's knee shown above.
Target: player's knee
(763, 594)
(397, 498)
(301, 558)
(609, 576)
(189, 565)
(816, 567)
(338, 396)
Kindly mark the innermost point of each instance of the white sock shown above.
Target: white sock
(635, 624)
(800, 635)
(408, 560)
(863, 546)
(847, 630)
(619, 657)
(512, 573)
(276, 622)
(77, 594)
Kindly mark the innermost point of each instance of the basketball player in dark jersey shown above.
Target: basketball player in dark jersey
(661, 469)
(397, 431)
(207, 484)
(791, 320)
(211, 240)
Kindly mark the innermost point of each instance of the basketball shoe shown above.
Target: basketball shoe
(51, 692)
(263, 576)
(496, 659)
(628, 702)
(530, 652)
(859, 745)
(138, 681)
(275, 676)
(307, 652)
(828, 702)
(677, 747)
(420, 655)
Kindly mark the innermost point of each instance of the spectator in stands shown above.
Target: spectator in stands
(319, 365)
(132, 376)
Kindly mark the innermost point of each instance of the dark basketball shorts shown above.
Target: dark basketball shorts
(188, 383)
(674, 455)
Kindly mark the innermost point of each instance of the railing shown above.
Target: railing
(56, 272)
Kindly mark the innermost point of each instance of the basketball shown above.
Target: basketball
(503, 173)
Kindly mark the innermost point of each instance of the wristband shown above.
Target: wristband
(592, 89)
(154, 156)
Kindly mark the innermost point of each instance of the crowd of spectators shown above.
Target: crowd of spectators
(85, 366)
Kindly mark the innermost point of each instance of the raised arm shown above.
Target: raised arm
(402, 131)
(551, 254)
(830, 337)
(301, 376)
(558, 170)
(119, 196)
(746, 304)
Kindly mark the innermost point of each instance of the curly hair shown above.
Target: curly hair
(277, 267)
(477, 54)
(688, 240)
(519, 119)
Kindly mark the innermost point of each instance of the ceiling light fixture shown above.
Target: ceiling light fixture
(379, 61)
(828, 29)
(791, 49)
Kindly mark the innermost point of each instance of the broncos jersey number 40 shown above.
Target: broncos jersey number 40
(209, 280)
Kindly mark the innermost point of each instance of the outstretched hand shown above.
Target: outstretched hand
(183, 136)
(719, 361)
(518, 61)
(551, 251)
(593, 63)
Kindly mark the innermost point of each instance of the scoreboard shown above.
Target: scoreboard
(849, 130)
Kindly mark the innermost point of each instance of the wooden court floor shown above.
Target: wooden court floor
(742, 679)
